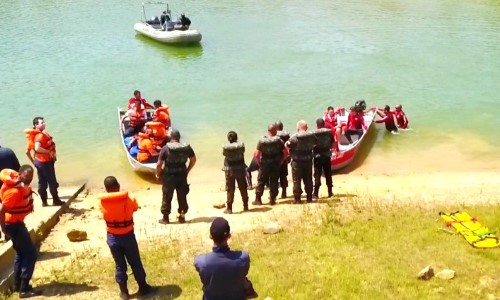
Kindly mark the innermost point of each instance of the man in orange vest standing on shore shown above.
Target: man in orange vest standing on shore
(45, 158)
(118, 209)
(17, 203)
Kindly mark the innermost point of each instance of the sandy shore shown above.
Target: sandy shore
(449, 191)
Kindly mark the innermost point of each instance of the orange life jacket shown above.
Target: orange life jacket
(159, 132)
(16, 199)
(136, 118)
(143, 153)
(161, 114)
(30, 134)
(118, 210)
(47, 143)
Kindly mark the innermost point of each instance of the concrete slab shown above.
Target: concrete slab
(39, 224)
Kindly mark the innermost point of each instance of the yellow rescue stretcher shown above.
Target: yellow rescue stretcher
(474, 233)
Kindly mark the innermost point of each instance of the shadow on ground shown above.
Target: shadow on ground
(51, 255)
(54, 289)
(170, 291)
(201, 220)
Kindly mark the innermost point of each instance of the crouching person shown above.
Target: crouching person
(223, 272)
(118, 209)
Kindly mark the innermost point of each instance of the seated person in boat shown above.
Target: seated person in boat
(387, 118)
(136, 118)
(137, 96)
(161, 114)
(164, 20)
(355, 124)
(183, 23)
(159, 134)
(330, 118)
(401, 119)
(148, 152)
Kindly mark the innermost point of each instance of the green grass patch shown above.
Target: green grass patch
(346, 253)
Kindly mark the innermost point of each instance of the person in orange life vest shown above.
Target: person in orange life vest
(8, 160)
(147, 149)
(355, 124)
(159, 134)
(161, 114)
(16, 204)
(30, 145)
(45, 158)
(401, 119)
(137, 97)
(118, 208)
(136, 119)
(388, 119)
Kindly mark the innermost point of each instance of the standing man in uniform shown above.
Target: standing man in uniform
(17, 203)
(235, 169)
(284, 136)
(301, 146)
(8, 160)
(270, 155)
(322, 157)
(172, 167)
(45, 159)
(118, 210)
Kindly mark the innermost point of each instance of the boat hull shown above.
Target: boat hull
(168, 37)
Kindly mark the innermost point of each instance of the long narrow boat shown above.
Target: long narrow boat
(136, 165)
(348, 151)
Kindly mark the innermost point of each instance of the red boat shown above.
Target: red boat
(347, 150)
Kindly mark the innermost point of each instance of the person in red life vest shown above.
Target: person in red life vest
(17, 203)
(45, 158)
(118, 208)
(136, 119)
(388, 119)
(355, 124)
(330, 118)
(161, 114)
(137, 97)
(401, 119)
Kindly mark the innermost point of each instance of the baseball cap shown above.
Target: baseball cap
(219, 229)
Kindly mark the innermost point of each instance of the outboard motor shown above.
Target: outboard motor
(360, 105)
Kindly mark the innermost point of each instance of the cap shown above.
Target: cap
(219, 229)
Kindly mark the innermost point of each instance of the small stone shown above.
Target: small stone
(491, 297)
(446, 274)
(219, 205)
(76, 235)
(268, 298)
(426, 273)
(272, 228)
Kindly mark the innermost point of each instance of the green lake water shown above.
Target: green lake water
(74, 62)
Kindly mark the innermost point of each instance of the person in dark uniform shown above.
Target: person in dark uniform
(322, 157)
(17, 203)
(8, 160)
(172, 167)
(284, 136)
(270, 155)
(118, 209)
(301, 146)
(223, 272)
(235, 169)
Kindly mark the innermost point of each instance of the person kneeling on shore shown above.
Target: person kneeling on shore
(223, 272)
(118, 209)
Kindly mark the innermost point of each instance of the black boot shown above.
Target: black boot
(57, 202)
(316, 193)
(123, 291)
(27, 291)
(146, 289)
(229, 208)
(164, 220)
(272, 201)
(330, 191)
(245, 205)
(44, 202)
(296, 199)
(17, 282)
(309, 198)
(182, 218)
(258, 201)
(283, 193)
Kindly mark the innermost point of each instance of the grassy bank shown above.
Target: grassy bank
(351, 252)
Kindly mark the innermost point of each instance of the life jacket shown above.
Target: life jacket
(178, 154)
(324, 142)
(355, 121)
(271, 149)
(16, 209)
(234, 154)
(118, 210)
(302, 150)
(47, 143)
(136, 118)
(159, 133)
(161, 114)
(30, 134)
(284, 135)
(143, 154)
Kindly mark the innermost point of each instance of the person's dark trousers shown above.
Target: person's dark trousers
(174, 182)
(268, 173)
(131, 131)
(24, 263)
(252, 167)
(349, 132)
(124, 249)
(283, 178)
(322, 163)
(302, 171)
(47, 178)
(238, 176)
